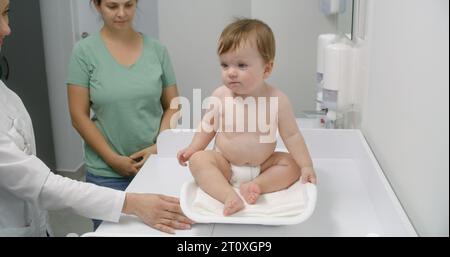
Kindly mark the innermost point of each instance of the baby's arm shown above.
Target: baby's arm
(205, 132)
(293, 139)
(199, 143)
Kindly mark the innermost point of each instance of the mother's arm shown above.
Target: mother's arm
(169, 94)
(80, 114)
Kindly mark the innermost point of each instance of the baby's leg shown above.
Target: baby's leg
(250, 191)
(212, 172)
(277, 173)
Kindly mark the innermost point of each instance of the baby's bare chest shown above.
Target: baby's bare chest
(251, 115)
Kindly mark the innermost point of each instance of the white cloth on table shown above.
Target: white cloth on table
(285, 203)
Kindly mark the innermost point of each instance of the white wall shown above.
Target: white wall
(405, 117)
(58, 38)
(190, 30)
(296, 25)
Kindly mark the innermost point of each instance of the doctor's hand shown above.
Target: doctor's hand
(184, 155)
(141, 157)
(158, 211)
(123, 165)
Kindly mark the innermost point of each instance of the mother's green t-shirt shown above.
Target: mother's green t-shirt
(126, 100)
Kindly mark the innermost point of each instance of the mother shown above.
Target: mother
(127, 79)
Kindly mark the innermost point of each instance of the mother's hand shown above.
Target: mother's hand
(158, 211)
(142, 156)
(123, 165)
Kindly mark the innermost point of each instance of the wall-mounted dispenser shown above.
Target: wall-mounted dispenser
(336, 82)
(323, 41)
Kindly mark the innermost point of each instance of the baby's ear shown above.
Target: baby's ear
(268, 69)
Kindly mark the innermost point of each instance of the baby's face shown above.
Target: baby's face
(244, 70)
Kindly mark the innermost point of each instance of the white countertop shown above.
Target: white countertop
(353, 196)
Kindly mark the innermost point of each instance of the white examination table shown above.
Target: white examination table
(353, 196)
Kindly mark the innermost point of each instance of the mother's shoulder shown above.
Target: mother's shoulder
(153, 42)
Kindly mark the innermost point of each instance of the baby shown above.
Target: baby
(244, 153)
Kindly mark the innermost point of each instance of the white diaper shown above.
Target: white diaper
(243, 174)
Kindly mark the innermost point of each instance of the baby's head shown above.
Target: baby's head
(247, 51)
(248, 31)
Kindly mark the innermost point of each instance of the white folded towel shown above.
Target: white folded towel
(285, 203)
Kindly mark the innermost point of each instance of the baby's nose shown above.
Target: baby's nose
(232, 72)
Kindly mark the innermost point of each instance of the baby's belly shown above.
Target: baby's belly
(244, 149)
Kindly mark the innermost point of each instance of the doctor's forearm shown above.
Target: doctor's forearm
(85, 199)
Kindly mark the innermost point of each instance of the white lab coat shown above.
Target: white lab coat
(28, 188)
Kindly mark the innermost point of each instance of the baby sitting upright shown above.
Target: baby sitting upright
(244, 116)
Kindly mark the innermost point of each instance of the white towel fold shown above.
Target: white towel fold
(285, 203)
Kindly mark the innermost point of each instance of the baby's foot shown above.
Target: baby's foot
(250, 191)
(233, 204)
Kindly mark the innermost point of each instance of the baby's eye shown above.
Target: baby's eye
(224, 65)
(242, 66)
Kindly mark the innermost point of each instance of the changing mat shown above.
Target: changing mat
(286, 207)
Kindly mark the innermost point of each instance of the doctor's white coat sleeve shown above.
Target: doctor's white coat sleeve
(28, 178)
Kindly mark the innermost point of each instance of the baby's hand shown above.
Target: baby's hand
(308, 175)
(184, 155)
